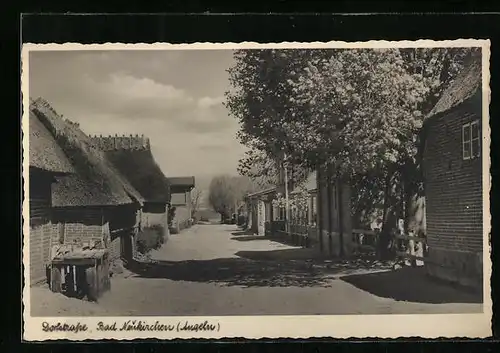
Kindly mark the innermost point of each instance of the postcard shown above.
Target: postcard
(280, 190)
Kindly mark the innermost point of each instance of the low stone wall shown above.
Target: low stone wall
(461, 267)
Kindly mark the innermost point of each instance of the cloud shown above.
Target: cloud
(162, 95)
(208, 102)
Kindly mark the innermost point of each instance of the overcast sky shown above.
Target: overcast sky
(173, 97)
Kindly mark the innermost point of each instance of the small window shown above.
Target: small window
(475, 140)
(471, 142)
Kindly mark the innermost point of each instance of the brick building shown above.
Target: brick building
(453, 180)
(133, 158)
(46, 162)
(96, 203)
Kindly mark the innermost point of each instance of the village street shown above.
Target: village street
(219, 270)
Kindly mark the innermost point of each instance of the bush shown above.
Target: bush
(171, 216)
(150, 238)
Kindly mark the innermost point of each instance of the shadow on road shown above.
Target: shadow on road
(249, 238)
(277, 268)
(295, 268)
(241, 233)
(304, 254)
(411, 284)
(234, 272)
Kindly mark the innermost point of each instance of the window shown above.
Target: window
(282, 213)
(471, 142)
(313, 210)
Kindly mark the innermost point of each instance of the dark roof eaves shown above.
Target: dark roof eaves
(430, 118)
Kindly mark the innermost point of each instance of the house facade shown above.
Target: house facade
(133, 158)
(334, 214)
(303, 211)
(46, 162)
(325, 223)
(180, 189)
(453, 180)
(95, 205)
(260, 210)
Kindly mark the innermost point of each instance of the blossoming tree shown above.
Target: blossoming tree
(359, 110)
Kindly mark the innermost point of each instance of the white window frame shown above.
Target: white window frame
(478, 139)
(471, 140)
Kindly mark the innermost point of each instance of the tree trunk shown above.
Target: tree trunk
(408, 194)
(384, 239)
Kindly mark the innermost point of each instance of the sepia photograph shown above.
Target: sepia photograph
(181, 189)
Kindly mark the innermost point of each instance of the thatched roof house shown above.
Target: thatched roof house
(44, 152)
(95, 182)
(132, 157)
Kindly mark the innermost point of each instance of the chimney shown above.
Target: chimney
(136, 142)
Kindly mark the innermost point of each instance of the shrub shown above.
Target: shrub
(150, 238)
(171, 216)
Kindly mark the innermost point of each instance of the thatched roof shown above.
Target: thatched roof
(181, 183)
(142, 171)
(464, 86)
(96, 182)
(44, 152)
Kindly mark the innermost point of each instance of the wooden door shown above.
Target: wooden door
(127, 246)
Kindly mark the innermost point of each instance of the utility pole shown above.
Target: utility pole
(287, 205)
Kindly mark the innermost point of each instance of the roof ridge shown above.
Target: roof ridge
(462, 87)
(95, 180)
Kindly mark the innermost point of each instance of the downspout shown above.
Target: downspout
(287, 202)
(319, 201)
(341, 216)
(329, 208)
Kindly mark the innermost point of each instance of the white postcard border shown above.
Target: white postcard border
(254, 327)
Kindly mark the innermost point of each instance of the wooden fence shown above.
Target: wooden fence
(406, 247)
(297, 234)
(409, 248)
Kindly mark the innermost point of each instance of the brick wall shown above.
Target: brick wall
(453, 189)
(42, 231)
(82, 224)
(39, 251)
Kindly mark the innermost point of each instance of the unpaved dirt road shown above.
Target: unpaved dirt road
(218, 270)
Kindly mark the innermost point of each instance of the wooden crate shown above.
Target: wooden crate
(88, 274)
